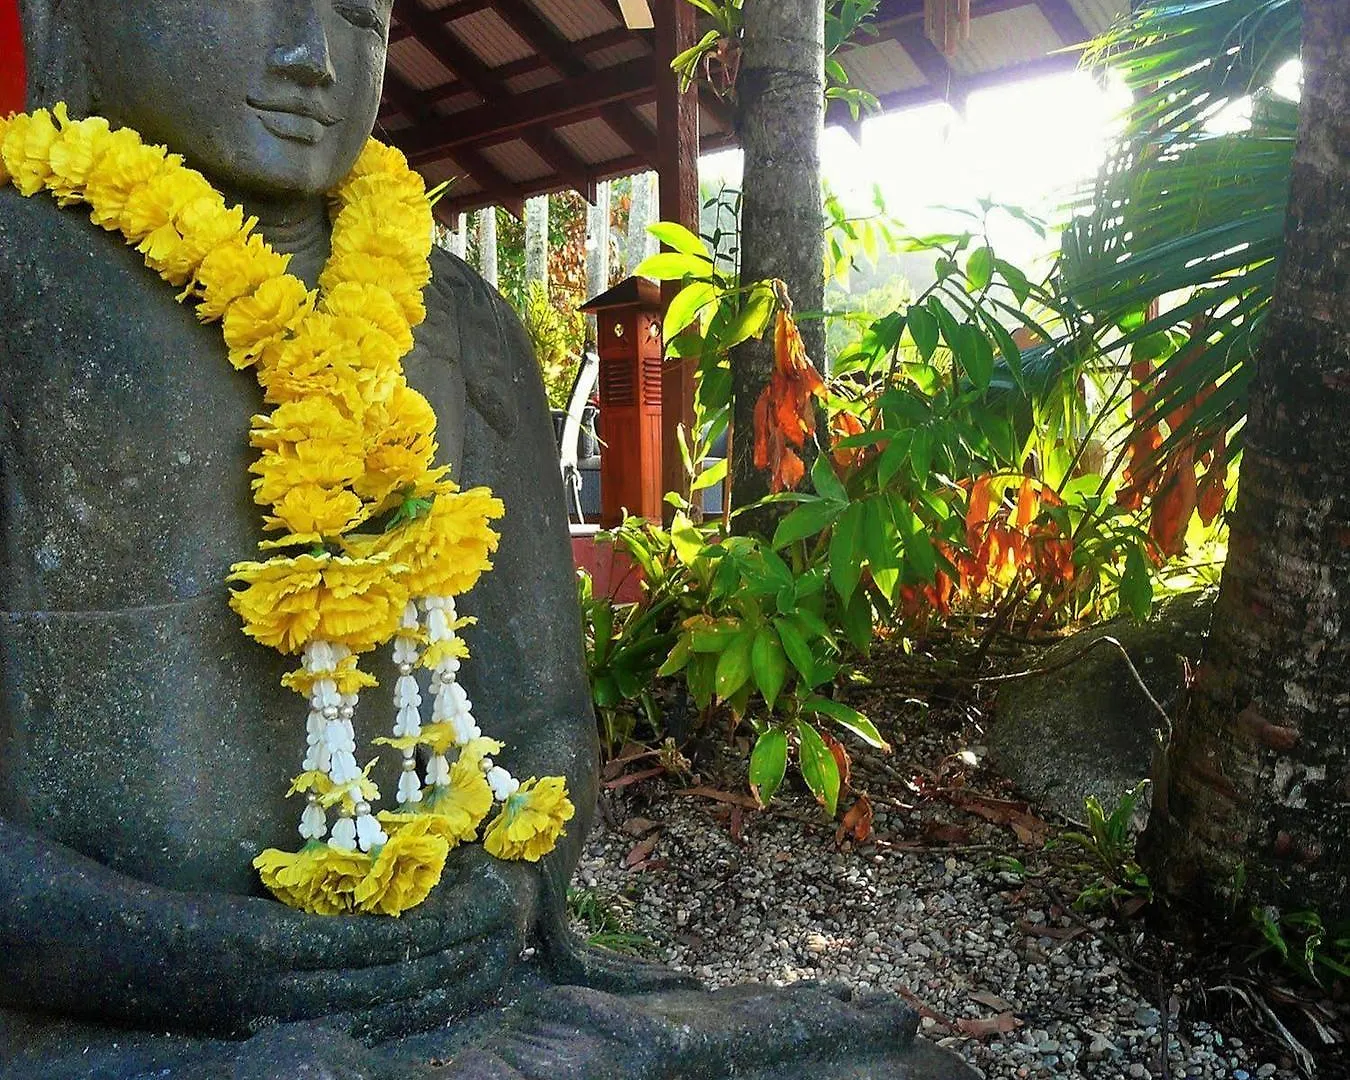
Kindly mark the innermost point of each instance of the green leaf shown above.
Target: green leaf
(751, 320)
(819, 769)
(768, 763)
(769, 662)
(713, 474)
(1136, 584)
(923, 328)
(686, 305)
(673, 265)
(733, 666)
(977, 356)
(798, 651)
(678, 658)
(674, 235)
(845, 558)
(857, 620)
(850, 719)
(807, 520)
(685, 539)
(980, 268)
(824, 480)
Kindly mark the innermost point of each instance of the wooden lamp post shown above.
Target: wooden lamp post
(628, 331)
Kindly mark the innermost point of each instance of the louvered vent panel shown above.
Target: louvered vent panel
(651, 380)
(617, 384)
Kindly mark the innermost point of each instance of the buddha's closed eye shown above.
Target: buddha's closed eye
(371, 15)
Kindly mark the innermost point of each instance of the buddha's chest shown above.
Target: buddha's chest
(126, 447)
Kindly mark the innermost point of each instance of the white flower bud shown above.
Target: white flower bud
(503, 784)
(438, 771)
(368, 833)
(409, 788)
(313, 822)
(343, 836)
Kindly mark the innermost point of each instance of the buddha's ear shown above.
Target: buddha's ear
(57, 54)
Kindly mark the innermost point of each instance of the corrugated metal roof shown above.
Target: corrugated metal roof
(490, 38)
(882, 67)
(1015, 38)
(577, 19)
(1004, 39)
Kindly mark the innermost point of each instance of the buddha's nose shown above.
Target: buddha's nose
(303, 57)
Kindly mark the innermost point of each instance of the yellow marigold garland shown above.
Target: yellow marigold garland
(347, 444)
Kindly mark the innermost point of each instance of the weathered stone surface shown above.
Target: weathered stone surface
(1086, 728)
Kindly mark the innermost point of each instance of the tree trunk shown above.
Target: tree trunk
(597, 247)
(639, 243)
(1256, 781)
(487, 244)
(536, 240)
(781, 108)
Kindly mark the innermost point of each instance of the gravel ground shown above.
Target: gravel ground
(994, 958)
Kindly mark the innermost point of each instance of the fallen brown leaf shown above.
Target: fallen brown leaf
(992, 1000)
(639, 826)
(633, 778)
(987, 1026)
(640, 852)
(721, 796)
(936, 832)
(857, 823)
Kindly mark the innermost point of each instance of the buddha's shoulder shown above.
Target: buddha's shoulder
(37, 234)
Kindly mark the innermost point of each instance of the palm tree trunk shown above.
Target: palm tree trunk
(1256, 781)
(781, 98)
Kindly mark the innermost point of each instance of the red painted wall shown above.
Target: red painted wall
(11, 59)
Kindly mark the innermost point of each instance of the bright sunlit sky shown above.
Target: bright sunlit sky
(1029, 143)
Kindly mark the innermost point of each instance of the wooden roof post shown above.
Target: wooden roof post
(677, 171)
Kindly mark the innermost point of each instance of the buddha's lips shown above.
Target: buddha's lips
(304, 109)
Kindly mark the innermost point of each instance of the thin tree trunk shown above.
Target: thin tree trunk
(597, 242)
(781, 108)
(536, 240)
(1256, 782)
(487, 244)
(639, 242)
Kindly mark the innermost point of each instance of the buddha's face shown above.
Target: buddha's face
(271, 97)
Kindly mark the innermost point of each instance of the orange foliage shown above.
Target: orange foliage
(785, 414)
(1171, 484)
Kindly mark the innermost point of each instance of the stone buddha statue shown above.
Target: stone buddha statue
(145, 743)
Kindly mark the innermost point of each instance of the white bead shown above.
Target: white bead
(343, 836)
(346, 712)
(330, 712)
(503, 784)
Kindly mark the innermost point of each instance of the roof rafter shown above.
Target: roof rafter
(459, 58)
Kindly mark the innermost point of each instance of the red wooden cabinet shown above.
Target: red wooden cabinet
(628, 328)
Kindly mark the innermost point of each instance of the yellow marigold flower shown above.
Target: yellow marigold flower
(406, 189)
(160, 200)
(362, 602)
(75, 153)
(279, 606)
(318, 361)
(316, 417)
(405, 871)
(234, 270)
(466, 800)
(176, 250)
(400, 443)
(309, 513)
(27, 148)
(375, 159)
(383, 230)
(321, 462)
(288, 602)
(378, 314)
(318, 879)
(389, 274)
(531, 820)
(275, 307)
(448, 548)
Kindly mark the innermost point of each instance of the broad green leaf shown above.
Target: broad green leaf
(768, 763)
(685, 539)
(878, 535)
(857, 620)
(1136, 584)
(769, 662)
(845, 556)
(923, 328)
(807, 520)
(686, 305)
(699, 677)
(980, 268)
(713, 474)
(678, 658)
(920, 555)
(733, 666)
(850, 719)
(750, 321)
(673, 265)
(824, 480)
(819, 769)
(674, 235)
(606, 692)
(798, 651)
